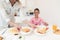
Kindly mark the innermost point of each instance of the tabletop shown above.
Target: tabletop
(32, 36)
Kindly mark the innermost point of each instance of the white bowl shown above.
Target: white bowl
(26, 33)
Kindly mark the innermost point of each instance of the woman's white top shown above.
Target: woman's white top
(13, 9)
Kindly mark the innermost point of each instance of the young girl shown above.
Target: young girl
(36, 20)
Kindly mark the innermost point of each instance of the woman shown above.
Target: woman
(4, 20)
(13, 8)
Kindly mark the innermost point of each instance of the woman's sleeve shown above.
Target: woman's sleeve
(4, 16)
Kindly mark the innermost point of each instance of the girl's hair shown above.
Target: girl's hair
(36, 9)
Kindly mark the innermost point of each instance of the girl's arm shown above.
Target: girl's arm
(45, 23)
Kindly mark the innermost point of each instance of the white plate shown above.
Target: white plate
(26, 33)
(37, 32)
(8, 31)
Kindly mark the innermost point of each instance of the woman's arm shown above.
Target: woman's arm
(13, 24)
(29, 23)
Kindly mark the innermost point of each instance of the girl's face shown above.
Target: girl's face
(12, 1)
(36, 12)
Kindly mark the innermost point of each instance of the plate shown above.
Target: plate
(13, 31)
(40, 31)
(57, 32)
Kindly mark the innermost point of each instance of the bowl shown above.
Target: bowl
(26, 30)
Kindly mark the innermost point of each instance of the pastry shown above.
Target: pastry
(41, 31)
(57, 32)
(14, 31)
(1, 38)
(25, 29)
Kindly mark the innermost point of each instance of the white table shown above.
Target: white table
(48, 36)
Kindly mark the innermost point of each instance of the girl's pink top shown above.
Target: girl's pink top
(35, 21)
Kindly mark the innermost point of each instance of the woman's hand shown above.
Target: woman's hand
(18, 28)
(26, 21)
(15, 25)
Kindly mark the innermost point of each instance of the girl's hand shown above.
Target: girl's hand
(46, 24)
(47, 28)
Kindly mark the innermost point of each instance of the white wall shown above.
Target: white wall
(50, 9)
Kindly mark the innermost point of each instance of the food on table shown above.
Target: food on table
(41, 31)
(1, 38)
(54, 27)
(14, 31)
(57, 32)
(25, 29)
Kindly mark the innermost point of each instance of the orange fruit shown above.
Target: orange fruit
(54, 27)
